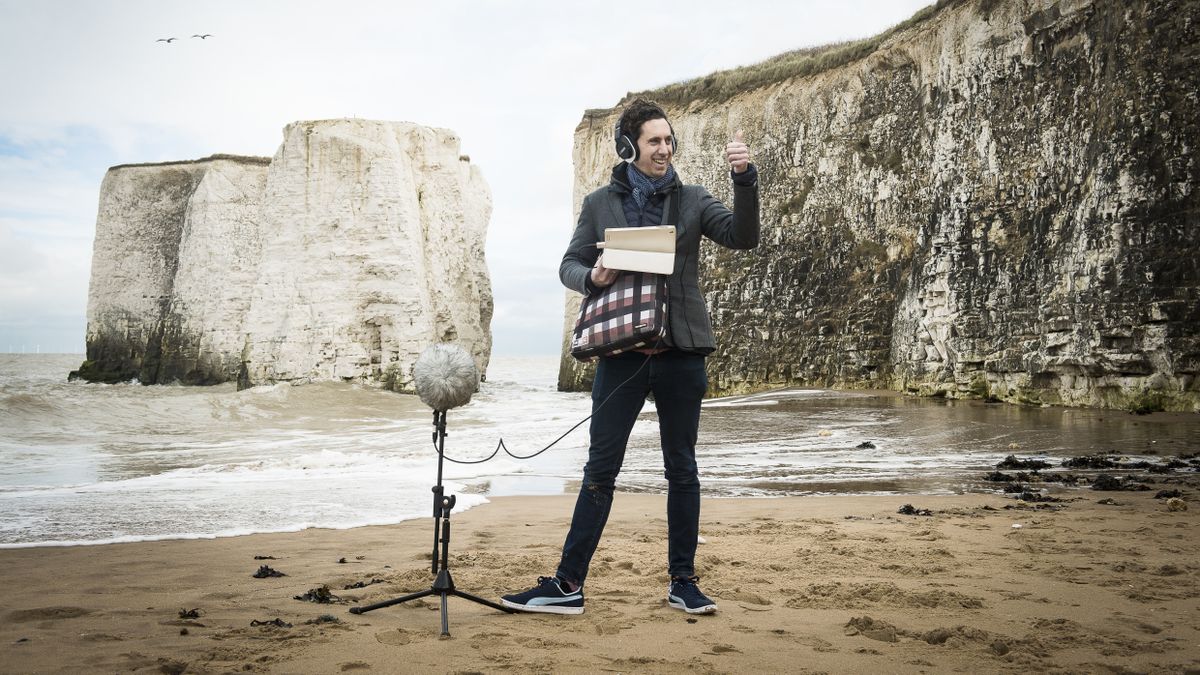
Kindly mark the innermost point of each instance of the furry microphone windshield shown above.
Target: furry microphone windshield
(445, 376)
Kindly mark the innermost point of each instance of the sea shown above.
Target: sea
(85, 463)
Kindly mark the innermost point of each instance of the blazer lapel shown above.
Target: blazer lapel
(618, 211)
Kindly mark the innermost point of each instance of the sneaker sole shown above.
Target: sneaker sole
(707, 609)
(542, 609)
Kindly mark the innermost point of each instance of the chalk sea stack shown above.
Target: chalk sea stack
(359, 243)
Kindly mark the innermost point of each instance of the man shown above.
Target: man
(640, 194)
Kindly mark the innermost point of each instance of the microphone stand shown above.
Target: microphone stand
(443, 585)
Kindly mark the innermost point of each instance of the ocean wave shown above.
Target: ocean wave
(770, 398)
(463, 503)
(22, 404)
(82, 463)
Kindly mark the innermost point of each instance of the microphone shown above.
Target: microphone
(445, 376)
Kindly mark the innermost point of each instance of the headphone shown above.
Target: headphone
(627, 148)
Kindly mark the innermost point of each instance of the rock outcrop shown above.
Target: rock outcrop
(997, 200)
(357, 245)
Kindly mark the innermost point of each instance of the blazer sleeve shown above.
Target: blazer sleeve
(738, 228)
(575, 270)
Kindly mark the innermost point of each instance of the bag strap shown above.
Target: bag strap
(673, 200)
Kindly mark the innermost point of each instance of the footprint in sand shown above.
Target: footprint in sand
(872, 629)
(171, 666)
(723, 649)
(1135, 623)
(47, 614)
(629, 566)
(393, 638)
(620, 597)
(738, 595)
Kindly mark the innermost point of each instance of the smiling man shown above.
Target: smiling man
(643, 191)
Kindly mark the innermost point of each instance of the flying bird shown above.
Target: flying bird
(166, 40)
(203, 37)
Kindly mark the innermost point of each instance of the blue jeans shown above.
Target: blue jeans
(678, 382)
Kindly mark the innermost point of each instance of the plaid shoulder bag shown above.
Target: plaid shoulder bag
(629, 314)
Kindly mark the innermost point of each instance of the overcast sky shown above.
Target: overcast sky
(85, 87)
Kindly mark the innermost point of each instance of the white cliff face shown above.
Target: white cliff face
(220, 252)
(135, 258)
(998, 201)
(357, 245)
(373, 237)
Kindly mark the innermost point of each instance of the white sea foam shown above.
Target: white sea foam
(765, 398)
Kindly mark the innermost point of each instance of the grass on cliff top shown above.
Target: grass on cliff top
(726, 84)
(243, 159)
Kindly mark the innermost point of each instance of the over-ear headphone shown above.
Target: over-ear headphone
(627, 148)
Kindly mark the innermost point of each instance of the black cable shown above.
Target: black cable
(477, 461)
(502, 446)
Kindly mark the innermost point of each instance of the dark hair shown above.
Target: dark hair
(638, 113)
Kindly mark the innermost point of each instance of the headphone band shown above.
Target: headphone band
(627, 148)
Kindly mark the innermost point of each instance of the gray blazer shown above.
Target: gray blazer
(688, 325)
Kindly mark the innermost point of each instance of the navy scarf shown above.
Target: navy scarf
(643, 186)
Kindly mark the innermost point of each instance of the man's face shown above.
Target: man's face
(654, 148)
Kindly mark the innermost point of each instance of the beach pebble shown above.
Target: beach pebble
(701, 540)
(1176, 504)
(1016, 526)
(824, 432)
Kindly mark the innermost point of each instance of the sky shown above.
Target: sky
(86, 86)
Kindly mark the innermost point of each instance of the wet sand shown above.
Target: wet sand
(805, 584)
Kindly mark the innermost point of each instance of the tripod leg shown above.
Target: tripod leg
(445, 617)
(475, 598)
(396, 601)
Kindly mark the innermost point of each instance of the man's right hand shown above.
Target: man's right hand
(601, 275)
(737, 153)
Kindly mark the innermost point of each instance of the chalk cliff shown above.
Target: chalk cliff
(997, 199)
(340, 258)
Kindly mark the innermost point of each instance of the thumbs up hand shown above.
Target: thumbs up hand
(737, 153)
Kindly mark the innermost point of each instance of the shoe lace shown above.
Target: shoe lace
(686, 587)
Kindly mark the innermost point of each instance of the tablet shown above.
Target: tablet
(639, 249)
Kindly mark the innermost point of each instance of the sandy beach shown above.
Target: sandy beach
(806, 584)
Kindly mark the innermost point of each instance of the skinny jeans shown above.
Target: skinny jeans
(678, 381)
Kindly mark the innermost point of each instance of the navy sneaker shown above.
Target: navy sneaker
(550, 596)
(685, 594)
